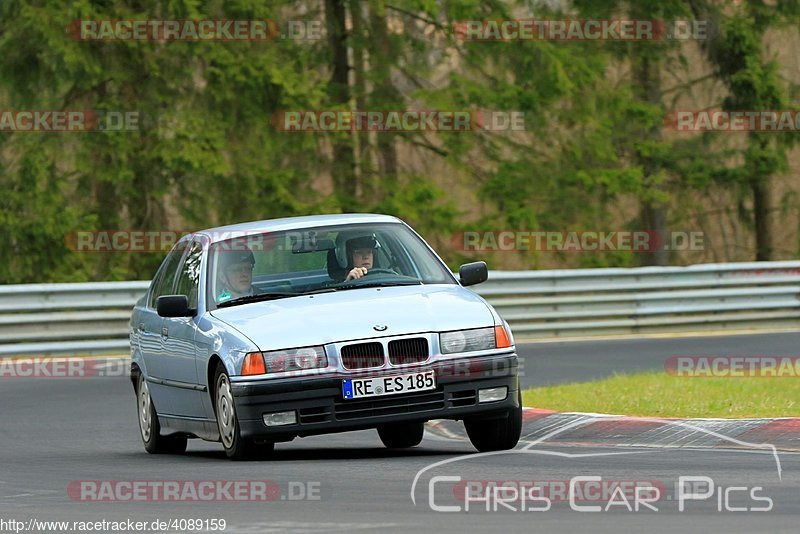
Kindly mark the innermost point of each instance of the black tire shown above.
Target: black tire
(401, 435)
(499, 434)
(149, 426)
(236, 447)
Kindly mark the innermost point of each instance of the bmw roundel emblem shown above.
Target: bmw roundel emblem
(380, 327)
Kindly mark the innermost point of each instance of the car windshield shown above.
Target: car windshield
(272, 265)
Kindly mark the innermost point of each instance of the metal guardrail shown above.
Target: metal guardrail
(93, 317)
(67, 318)
(583, 302)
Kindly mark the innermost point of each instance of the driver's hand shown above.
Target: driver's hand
(356, 273)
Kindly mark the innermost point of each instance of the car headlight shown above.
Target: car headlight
(280, 361)
(468, 340)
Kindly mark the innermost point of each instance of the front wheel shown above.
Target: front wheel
(401, 435)
(150, 428)
(236, 447)
(498, 434)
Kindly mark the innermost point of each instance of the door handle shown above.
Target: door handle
(164, 332)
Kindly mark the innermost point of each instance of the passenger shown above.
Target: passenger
(235, 274)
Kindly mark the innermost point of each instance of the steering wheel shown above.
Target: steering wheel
(380, 271)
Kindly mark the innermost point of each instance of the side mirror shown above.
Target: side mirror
(173, 306)
(473, 273)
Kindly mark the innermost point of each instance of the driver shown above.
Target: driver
(361, 255)
(236, 274)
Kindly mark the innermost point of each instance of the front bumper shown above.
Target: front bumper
(321, 408)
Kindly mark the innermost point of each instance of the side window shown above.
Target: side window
(189, 275)
(383, 255)
(167, 274)
(401, 260)
(156, 282)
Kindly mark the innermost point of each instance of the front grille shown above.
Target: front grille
(406, 351)
(362, 355)
(420, 402)
(316, 414)
(466, 397)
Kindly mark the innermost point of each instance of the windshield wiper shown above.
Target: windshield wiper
(272, 295)
(317, 291)
(258, 298)
(382, 284)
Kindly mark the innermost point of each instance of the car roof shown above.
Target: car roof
(221, 233)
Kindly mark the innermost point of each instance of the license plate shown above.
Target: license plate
(359, 388)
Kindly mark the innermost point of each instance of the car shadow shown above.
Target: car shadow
(332, 453)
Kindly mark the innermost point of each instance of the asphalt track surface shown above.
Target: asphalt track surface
(58, 431)
(578, 361)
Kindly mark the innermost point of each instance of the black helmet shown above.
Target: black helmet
(348, 241)
(367, 241)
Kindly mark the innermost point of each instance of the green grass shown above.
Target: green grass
(662, 395)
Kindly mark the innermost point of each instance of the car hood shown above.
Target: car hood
(352, 314)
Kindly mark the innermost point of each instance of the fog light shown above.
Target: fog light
(492, 394)
(280, 418)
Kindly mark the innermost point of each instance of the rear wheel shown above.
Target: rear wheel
(236, 447)
(498, 434)
(401, 435)
(150, 428)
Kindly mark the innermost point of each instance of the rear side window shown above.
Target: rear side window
(166, 276)
(189, 277)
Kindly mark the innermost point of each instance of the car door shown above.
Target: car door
(150, 334)
(179, 334)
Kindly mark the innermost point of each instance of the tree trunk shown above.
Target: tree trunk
(364, 165)
(343, 165)
(385, 95)
(653, 213)
(762, 208)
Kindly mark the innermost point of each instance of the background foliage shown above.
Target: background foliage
(595, 155)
